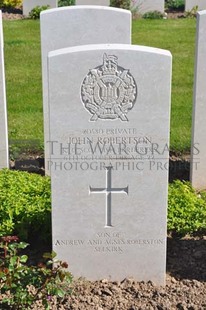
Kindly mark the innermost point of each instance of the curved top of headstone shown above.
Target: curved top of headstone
(96, 47)
(80, 25)
(83, 7)
(100, 198)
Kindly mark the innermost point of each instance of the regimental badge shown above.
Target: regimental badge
(109, 91)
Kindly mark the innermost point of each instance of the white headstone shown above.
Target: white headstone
(28, 5)
(93, 2)
(143, 6)
(190, 4)
(70, 26)
(109, 130)
(198, 147)
(4, 150)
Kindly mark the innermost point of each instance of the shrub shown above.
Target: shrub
(35, 12)
(186, 209)
(122, 4)
(23, 286)
(153, 15)
(25, 205)
(192, 13)
(10, 3)
(176, 5)
(66, 2)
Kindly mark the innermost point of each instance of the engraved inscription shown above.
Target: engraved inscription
(109, 91)
(108, 190)
(110, 242)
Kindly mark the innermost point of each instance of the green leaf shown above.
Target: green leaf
(13, 260)
(2, 274)
(23, 258)
(60, 293)
(22, 245)
(49, 255)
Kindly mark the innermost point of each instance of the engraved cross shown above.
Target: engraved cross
(108, 190)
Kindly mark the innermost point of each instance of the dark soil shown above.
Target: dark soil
(185, 286)
(186, 258)
(174, 15)
(12, 13)
(186, 270)
(131, 295)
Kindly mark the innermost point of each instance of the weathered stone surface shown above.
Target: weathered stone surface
(4, 149)
(198, 147)
(109, 129)
(190, 4)
(143, 6)
(28, 5)
(93, 25)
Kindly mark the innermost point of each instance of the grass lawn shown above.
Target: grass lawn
(23, 80)
(177, 36)
(23, 75)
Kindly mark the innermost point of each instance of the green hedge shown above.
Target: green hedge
(122, 4)
(186, 209)
(25, 206)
